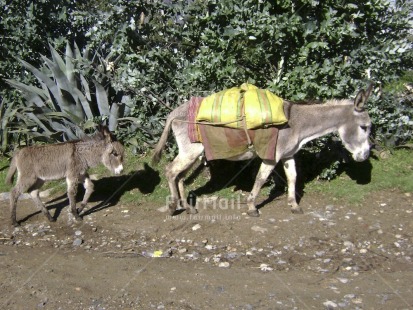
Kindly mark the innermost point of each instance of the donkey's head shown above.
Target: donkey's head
(113, 154)
(356, 129)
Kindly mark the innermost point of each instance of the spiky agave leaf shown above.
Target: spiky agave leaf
(70, 68)
(48, 82)
(102, 99)
(31, 93)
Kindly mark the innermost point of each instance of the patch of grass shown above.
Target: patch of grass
(361, 179)
(4, 167)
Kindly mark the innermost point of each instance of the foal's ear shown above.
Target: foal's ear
(104, 130)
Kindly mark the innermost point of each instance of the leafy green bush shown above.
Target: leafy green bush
(167, 51)
(392, 117)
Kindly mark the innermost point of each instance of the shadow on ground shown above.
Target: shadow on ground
(107, 191)
(241, 175)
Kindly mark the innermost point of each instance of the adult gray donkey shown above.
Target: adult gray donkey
(349, 118)
(71, 160)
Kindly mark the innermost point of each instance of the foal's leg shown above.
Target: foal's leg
(88, 185)
(14, 196)
(34, 193)
(291, 174)
(24, 182)
(262, 176)
(71, 193)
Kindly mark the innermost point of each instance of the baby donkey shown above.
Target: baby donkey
(37, 164)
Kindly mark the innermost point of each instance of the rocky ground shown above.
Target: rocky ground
(334, 256)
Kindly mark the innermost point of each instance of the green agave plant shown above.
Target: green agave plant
(70, 98)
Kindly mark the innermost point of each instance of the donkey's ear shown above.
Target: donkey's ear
(368, 91)
(106, 133)
(362, 97)
(359, 101)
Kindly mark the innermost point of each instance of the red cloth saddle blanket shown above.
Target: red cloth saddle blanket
(222, 142)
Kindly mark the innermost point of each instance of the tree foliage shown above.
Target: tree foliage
(167, 51)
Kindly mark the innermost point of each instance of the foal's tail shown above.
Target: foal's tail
(12, 170)
(156, 157)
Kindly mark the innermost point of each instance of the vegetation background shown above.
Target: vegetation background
(68, 65)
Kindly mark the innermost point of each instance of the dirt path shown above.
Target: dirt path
(333, 256)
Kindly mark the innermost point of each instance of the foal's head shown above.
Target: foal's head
(356, 130)
(113, 154)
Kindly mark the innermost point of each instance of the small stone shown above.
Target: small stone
(320, 253)
(182, 250)
(265, 267)
(349, 245)
(224, 265)
(163, 209)
(78, 232)
(77, 242)
(363, 251)
(259, 229)
(196, 227)
(329, 304)
(94, 229)
(357, 300)
(209, 247)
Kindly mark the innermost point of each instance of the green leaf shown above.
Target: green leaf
(102, 99)
(84, 102)
(70, 69)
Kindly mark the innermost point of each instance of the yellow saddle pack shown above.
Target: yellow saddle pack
(240, 107)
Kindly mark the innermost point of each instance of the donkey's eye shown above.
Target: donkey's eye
(115, 154)
(364, 128)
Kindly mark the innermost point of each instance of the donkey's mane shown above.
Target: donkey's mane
(326, 102)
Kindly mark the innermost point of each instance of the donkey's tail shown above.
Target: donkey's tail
(156, 157)
(12, 170)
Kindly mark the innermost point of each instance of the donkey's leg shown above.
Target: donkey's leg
(291, 174)
(88, 185)
(262, 176)
(24, 182)
(181, 178)
(34, 193)
(14, 196)
(71, 193)
(181, 163)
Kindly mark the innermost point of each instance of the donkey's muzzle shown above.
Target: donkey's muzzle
(118, 169)
(361, 156)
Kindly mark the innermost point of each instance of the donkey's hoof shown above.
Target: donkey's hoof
(191, 211)
(80, 209)
(253, 213)
(172, 209)
(52, 219)
(78, 218)
(297, 210)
